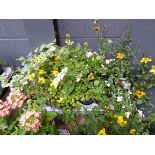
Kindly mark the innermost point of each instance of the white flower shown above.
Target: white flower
(111, 107)
(107, 83)
(127, 114)
(60, 76)
(126, 85)
(103, 66)
(86, 65)
(98, 57)
(29, 54)
(119, 98)
(69, 42)
(129, 93)
(112, 60)
(123, 106)
(95, 53)
(89, 54)
(109, 41)
(107, 61)
(52, 48)
(141, 115)
(78, 77)
(122, 79)
(48, 108)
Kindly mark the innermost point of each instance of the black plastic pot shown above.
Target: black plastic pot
(89, 102)
(1, 70)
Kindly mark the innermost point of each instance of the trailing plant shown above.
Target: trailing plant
(113, 79)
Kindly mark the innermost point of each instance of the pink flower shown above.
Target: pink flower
(16, 99)
(13, 101)
(4, 108)
(31, 121)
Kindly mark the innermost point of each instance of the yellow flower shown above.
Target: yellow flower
(55, 73)
(145, 60)
(139, 93)
(132, 132)
(60, 100)
(152, 70)
(41, 72)
(120, 56)
(120, 121)
(31, 76)
(120, 117)
(95, 21)
(102, 132)
(91, 76)
(107, 109)
(36, 58)
(41, 80)
(96, 28)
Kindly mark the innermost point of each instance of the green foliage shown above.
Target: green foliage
(64, 77)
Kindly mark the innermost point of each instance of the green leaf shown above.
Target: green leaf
(78, 47)
(51, 116)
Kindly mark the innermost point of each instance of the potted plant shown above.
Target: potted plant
(103, 92)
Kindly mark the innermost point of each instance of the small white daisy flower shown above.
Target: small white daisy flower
(111, 107)
(127, 114)
(78, 77)
(140, 112)
(123, 107)
(107, 83)
(119, 98)
(107, 61)
(89, 54)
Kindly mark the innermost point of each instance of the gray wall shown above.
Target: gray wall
(81, 30)
(143, 32)
(20, 37)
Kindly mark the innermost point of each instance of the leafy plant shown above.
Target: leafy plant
(68, 77)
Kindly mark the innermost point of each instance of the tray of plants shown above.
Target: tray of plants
(92, 93)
